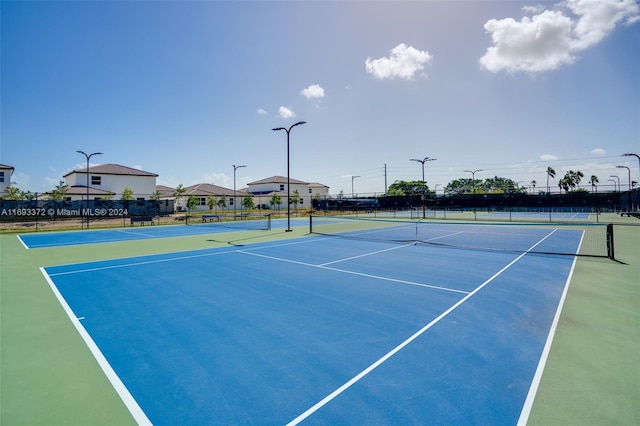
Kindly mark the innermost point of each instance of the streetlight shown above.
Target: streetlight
(88, 156)
(629, 173)
(473, 178)
(617, 177)
(352, 192)
(234, 189)
(424, 160)
(288, 177)
(631, 154)
(473, 184)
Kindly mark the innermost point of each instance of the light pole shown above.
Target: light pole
(288, 169)
(424, 195)
(424, 160)
(473, 185)
(630, 194)
(88, 156)
(631, 154)
(234, 189)
(628, 172)
(352, 192)
(617, 177)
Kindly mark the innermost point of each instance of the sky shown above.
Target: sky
(187, 90)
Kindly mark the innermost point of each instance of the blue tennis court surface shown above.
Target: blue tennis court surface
(319, 330)
(90, 236)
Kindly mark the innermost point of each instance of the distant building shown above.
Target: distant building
(223, 198)
(263, 191)
(5, 177)
(109, 180)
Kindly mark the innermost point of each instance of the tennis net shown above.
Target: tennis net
(586, 239)
(244, 221)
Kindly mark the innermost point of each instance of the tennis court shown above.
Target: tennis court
(98, 236)
(325, 329)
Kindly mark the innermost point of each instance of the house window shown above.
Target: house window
(96, 180)
(230, 201)
(282, 187)
(310, 191)
(203, 201)
(1, 176)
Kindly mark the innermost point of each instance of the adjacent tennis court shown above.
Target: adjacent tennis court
(327, 329)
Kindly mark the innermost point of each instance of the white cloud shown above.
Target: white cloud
(219, 179)
(548, 157)
(137, 167)
(551, 38)
(403, 62)
(598, 151)
(286, 112)
(313, 92)
(261, 111)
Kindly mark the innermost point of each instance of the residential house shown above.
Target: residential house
(5, 177)
(263, 191)
(223, 198)
(110, 180)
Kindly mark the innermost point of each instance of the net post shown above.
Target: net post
(269, 222)
(310, 224)
(610, 245)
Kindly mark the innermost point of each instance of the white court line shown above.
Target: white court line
(139, 416)
(535, 383)
(148, 262)
(378, 277)
(22, 242)
(395, 350)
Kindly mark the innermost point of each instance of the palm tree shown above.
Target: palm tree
(593, 181)
(550, 173)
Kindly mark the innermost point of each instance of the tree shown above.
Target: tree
(179, 192)
(212, 201)
(415, 187)
(593, 181)
(570, 180)
(12, 192)
(192, 202)
(461, 186)
(222, 202)
(295, 199)
(247, 202)
(550, 174)
(275, 200)
(59, 192)
(127, 194)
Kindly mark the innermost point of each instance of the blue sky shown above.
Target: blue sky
(188, 89)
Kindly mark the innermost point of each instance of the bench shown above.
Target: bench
(211, 217)
(141, 220)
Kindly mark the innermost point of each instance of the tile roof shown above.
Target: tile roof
(278, 179)
(113, 169)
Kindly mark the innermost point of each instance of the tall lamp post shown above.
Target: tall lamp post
(234, 189)
(630, 205)
(473, 185)
(618, 178)
(424, 160)
(88, 156)
(628, 172)
(631, 154)
(288, 170)
(352, 192)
